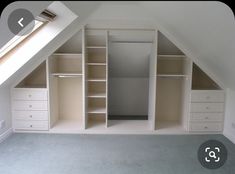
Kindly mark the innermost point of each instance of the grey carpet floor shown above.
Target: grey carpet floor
(108, 154)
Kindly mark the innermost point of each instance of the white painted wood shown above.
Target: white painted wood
(207, 107)
(31, 125)
(97, 64)
(30, 105)
(206, 126)
(29, 94)
(205, 117)
(97, 110)
(84, 82)
(31, 115)
(207, 96)
(152, 83)
(67, 74)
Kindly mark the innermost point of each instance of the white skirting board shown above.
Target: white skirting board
(6, 134)
(230, 137)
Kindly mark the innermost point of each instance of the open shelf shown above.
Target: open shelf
(67, 125)
(97, 80)
(78, 55)
(97, 95)
(36, 79)
(96, 47)
(97, 110)
(172, 75)
(96, 64)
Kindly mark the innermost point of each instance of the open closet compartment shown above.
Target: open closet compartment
(36, 79)
(129, 56)
(66, 84)
(173, 86)
(96, 57)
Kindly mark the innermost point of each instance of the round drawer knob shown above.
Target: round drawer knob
(206, 118)
(31, 116)
(31, 125)
(30, 95)
(205, 127)
(208, 97)
(30, 106)
(207, 107)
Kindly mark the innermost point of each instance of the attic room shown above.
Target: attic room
(123, 87)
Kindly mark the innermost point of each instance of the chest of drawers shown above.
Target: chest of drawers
(207, 110)
(30, 109)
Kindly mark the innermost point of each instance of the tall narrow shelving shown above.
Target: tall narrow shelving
(96, 77)
(173, 88)
(66, 67)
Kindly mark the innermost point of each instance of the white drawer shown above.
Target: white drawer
(29, 94)
(31, 125)
(207, 107)
(205, 127)
(30, 105)
(207, 96)
(30, 115)
(206, 116)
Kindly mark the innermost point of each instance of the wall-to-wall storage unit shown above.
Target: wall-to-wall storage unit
(118, 80)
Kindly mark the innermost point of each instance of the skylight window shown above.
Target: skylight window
(40, 21)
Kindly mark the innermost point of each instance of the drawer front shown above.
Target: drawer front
(207, 96)
(31, 125)
(30, 105)
(206, 127)
(30, 115)
(207, 107)
(30, 94)
(206, 116)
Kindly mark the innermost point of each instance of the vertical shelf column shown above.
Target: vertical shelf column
(96, 48)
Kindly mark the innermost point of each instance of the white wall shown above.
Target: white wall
(128, 96)
(5, 108)
(229, 124)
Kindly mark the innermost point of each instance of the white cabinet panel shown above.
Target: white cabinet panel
(207, 96)
(30, 105)
(29, 94)
(206, 127)
(31, 125)
(30, 115)
(206, 116)
(207, 107)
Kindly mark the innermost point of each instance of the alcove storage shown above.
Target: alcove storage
(118, 80)
(66, 79)
(173, 86)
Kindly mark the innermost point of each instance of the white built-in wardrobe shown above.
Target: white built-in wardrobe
(118, 81)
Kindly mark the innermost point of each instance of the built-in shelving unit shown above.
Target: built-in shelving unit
(66, 86)
(96, 77)
(173, 89)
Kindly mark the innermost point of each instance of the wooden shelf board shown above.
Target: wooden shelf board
(97, 80)
(67, 54)
(97, 64)
(94, 47)
(97, 95)
(98, 110)
(169, 55)
(172, 75)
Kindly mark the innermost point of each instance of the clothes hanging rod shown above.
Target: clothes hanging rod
(110, 29)
(131, 42)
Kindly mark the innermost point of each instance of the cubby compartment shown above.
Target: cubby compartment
(201, 81)
(97, 90)
(96, 56)
(171, 65)
(96, 72)
(36, 79)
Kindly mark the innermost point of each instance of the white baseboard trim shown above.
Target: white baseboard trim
(5, 134)
(230, 137)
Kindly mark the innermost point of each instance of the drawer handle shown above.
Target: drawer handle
(30, 106)
(31, 116)
(30, 95)
(31, 125)
(205, 127)
(207, 107)
(206, 118)
(208, 97)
